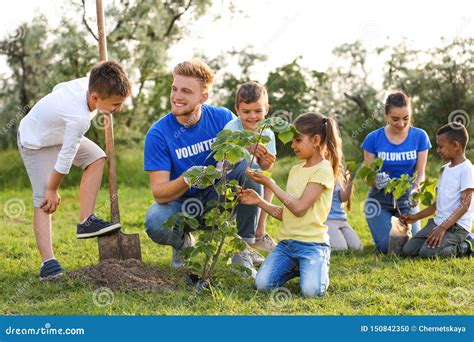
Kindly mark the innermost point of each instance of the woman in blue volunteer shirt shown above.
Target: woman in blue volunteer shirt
(404, 150)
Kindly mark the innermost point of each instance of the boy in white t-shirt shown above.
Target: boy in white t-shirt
(448, 233)
(51, 139)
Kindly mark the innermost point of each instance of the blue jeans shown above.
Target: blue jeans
(378, 213)
(291, 258)
(247, 215)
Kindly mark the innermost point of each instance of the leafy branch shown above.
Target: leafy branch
(218, 217)
(365, 172)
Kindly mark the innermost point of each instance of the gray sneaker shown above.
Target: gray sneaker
(244, 259)
(177, 260)
(257, 258)
(264, 243)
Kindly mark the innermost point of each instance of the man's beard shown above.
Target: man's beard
(189, 112)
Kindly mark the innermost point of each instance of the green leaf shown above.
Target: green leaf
(364, 171)
(235, 154)
(192, 222)
(377, 164)
(263, 172)
(351, 166)
(427, 199)
(229, 194)
(170, 222)
(286, 137)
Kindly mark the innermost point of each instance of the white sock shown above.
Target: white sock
(84, 221)
(45, 261)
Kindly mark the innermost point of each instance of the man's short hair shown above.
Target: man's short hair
(197, 69)
(109, 79)
(455, 131)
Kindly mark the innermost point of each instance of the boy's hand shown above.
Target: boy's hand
(248, 196)
(51, 201)
(408, 218)
(258, 150)
(435, 237)
(266, 161)
(259, 178)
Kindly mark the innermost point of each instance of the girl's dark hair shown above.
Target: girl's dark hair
(397, 99)
(312, 124)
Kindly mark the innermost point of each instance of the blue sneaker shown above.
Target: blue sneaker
(94, 226)
(51, 269)
(470, 245)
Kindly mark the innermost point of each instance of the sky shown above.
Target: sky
(283, 29)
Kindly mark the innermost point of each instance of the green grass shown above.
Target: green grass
(362, 283)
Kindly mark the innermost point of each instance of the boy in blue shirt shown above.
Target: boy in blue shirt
(182, 140)
(444, 235)
(251, 105)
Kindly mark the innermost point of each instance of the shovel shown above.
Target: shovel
(118, 246)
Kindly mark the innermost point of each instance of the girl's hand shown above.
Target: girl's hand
(248, 196)
(348, 176)
(259, 178)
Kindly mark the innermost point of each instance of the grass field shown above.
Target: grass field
(363, 283)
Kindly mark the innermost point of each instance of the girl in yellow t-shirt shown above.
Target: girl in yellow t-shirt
(304, 242)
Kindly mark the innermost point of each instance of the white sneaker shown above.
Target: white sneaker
(264, 243)
(244, 259)
(257, 258)
(177, 261)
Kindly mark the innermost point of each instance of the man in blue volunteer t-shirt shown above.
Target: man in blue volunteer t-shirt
(182, 140)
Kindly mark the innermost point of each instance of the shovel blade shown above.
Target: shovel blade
(119, 246)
